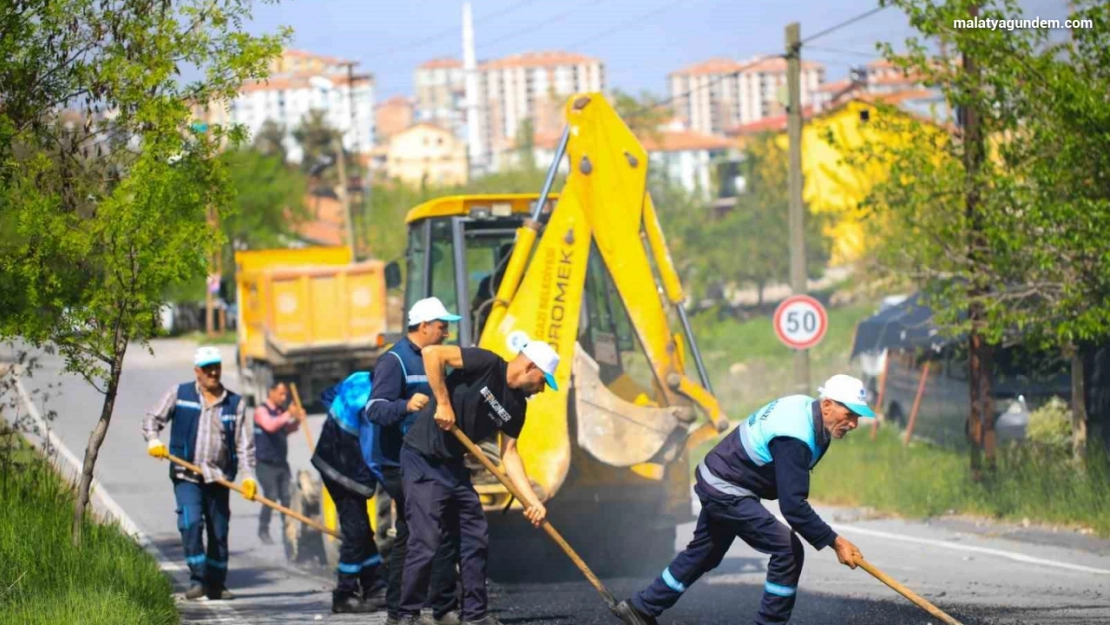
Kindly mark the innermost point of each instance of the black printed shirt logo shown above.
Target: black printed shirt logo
(498, 414)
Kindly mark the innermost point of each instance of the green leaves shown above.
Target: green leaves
(106, 190)
(1037, 262)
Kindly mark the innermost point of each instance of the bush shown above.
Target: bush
(1050, 426)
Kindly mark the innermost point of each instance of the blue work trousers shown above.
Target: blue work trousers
(719, 523)
(203, 508)
(359, 560)
(441, 502)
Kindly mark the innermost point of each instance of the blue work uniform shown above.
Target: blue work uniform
(398, 376)
(439, 493)
(768, 456)
(342, 457)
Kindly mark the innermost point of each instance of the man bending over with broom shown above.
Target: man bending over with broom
(487, 394)
(767, 456)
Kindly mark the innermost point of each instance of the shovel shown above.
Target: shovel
(906, 592)
(547, 527)
(259, 498)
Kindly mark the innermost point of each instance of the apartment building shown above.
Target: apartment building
(720, 93)
(391, 117)
(532, 85)
(440, 94)
(300, 82)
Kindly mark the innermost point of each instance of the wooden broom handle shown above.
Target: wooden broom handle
(259, 498)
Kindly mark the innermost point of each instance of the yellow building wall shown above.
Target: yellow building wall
(426, 152)
(835, 188)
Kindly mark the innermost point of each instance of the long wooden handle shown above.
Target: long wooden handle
(304, 422)
(259, 498)
(906, 592)
(547, 527)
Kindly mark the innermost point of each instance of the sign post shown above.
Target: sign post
(800, 322)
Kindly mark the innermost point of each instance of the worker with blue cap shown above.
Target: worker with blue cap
(209, 429)
(768, 456)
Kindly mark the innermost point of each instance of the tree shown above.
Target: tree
(526, 144)
(105, 190)
(270, 139)
(317, 137)
(1000, 222)
(268, 199)
(749, 244)
(643, 115)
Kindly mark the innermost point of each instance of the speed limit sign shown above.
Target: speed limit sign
(800, 322)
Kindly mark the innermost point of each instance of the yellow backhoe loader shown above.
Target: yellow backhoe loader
(587, 270)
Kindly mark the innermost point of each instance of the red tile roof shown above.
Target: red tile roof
(441, 63)
(548, 58)
(395, 101)
(722, 65)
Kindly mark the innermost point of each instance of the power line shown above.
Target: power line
(625, 24)
(718, 79)
(528, 30)
(438, 36)
(868, 55)
(848, 22)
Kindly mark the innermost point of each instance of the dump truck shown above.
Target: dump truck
(309, 316)
(589, 271)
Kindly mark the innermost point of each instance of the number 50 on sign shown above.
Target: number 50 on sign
(800, 322)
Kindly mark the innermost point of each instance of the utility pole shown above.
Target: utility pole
(344, 198)
(213, 269)
(797, 211)
(357, 148)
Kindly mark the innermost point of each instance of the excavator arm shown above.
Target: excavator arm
(603, 213)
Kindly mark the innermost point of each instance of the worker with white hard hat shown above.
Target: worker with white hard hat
(768, 456)
(209, 428)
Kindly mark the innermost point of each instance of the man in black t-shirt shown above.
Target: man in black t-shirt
(483, 395)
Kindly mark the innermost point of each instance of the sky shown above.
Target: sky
(639, 41)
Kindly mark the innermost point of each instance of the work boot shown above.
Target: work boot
(220, 592)
(196, 591)
(352, 605)
(488, 620)
(376, 594)
(264, 536)
(451, 618)
(626, 612)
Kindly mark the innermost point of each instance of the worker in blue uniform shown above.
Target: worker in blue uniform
(768, 456)
(400, 391)
(343, 456)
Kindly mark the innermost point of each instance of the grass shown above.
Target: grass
(924, 480)
(220, 338)
(45, 579)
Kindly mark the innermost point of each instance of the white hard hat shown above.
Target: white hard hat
(207, 355)
(849, 391)
(544, 357)
(429, 309)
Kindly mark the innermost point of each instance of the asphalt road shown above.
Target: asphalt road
(978, 573)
